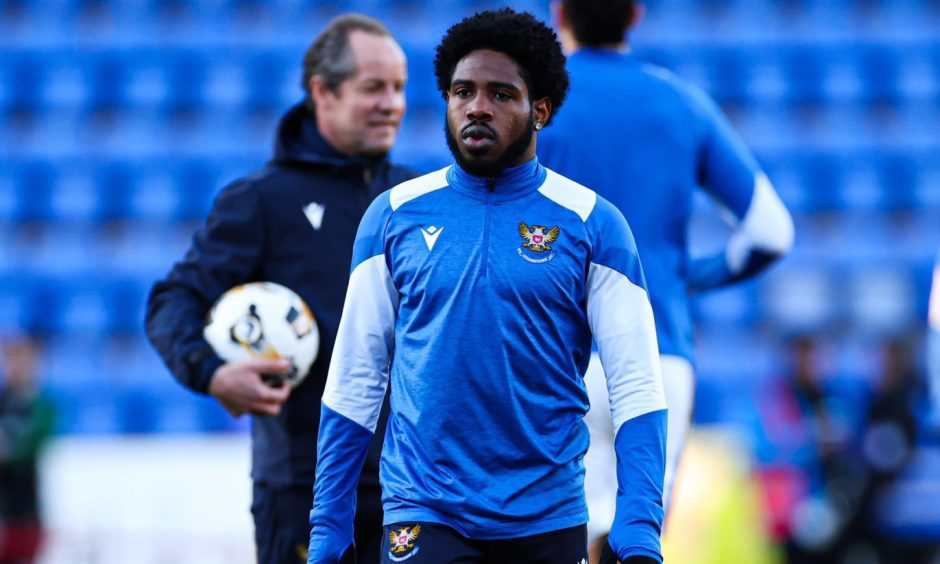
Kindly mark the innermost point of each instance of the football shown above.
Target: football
(264, 320)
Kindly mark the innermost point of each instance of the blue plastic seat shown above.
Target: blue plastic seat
(18, 303)
(801, 296)
(84, 306)
(879, 67)
(29, 196)
(421, 90)
(805, 70)
(272, 80)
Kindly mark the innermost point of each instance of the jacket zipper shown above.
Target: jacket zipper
(486, 226)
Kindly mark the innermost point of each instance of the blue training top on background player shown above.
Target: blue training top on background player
(678, 140)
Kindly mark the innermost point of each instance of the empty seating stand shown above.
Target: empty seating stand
(121, 120)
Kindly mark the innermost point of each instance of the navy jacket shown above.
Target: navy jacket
(258, 231)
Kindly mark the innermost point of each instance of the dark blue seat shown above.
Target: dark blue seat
(805, 71)
(30, 190)
(273, 80)
(421, 90)
(880, 67)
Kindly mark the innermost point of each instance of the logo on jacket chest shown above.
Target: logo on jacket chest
(314, 212)
(537, 242)
(430, 234)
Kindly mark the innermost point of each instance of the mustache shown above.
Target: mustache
(478, 128)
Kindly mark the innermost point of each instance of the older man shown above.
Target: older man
(293, 222)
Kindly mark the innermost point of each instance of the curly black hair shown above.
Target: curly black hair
(521, 36)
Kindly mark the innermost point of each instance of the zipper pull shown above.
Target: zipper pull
(492, 180)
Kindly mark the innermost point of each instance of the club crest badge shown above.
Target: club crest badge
(537, 239)
(402, 541)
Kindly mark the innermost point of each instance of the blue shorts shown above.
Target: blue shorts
(431, 543)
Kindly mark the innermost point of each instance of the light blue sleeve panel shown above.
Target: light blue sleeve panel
(763, 229)
(640, 445)
(621, 320)
(355, 388)
(370, 238)
(612, 242)
(341, 452)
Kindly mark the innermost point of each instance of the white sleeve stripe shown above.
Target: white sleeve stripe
(416, 187)
(767, 226)
(621, 320)
(358, 376)
(568, 194)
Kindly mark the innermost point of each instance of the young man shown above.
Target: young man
(645, 140)
(476, 291)
(293, 222)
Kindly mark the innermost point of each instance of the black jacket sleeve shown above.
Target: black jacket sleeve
(226, 251)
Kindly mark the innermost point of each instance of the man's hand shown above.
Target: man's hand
(239, 387)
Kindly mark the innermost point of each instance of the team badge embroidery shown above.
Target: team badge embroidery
(537, 239)
(402, 543)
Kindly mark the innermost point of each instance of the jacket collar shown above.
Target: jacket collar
(299, 140)
(510, 184)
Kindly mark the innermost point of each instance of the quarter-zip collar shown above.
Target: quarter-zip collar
(512, 183)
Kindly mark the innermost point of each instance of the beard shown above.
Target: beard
(492, 166)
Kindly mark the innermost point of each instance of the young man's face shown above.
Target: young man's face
(490, 121)
(363, 116)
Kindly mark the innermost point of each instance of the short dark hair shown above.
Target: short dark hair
(330, 57)
(519, 35)
(598, 22)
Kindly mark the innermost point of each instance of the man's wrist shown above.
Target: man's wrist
(202, 364)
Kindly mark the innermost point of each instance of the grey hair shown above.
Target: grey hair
(330, 57)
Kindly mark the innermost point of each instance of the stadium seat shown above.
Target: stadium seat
(879, 65)
(27, 191)
(881, 298)
(729, 307)
(83, 306)
(421, 90)
(804, 68)
(729, 70)
(273, 81)
(802, 298)
(18, 302)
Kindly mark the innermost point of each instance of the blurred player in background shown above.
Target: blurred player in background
(645, 140)
(475, 292)
(26, 422)
(293, 222)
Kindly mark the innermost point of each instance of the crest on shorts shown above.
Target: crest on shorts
(402, 541)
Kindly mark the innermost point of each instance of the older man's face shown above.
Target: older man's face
(363, 116)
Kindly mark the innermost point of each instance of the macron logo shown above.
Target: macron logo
(314, 213)
(430, 235)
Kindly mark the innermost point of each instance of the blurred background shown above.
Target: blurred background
(121, 119)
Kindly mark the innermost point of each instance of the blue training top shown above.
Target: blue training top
(644, 140)
(480, 298)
